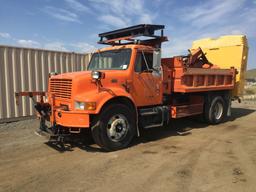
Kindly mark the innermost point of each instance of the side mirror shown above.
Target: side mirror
(97, 75)
(157, 59)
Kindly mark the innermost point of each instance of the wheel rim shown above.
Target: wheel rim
(218, 110)
(117, 127)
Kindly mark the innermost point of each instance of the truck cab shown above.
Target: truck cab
(119, 77)
(130, 68)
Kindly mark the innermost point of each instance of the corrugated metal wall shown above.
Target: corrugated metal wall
(25, 69)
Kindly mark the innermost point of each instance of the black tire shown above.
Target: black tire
(123, 125)
(215, 110)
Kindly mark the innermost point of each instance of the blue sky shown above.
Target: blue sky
(73, 25)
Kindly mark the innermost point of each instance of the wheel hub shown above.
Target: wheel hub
(117, 127)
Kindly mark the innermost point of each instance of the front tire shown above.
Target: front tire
(114, 128)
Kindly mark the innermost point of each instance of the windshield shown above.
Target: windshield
(110, 60)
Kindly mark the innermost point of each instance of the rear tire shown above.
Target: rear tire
(215, 110)
(114, 128)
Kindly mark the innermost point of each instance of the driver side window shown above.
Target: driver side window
(142, 62)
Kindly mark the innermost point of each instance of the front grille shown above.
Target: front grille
(61, 88)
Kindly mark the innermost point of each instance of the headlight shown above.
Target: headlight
(85, 105)
(79, 105)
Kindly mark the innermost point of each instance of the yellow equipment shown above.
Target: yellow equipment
(227, 51)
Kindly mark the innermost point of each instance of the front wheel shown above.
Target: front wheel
(114, 128)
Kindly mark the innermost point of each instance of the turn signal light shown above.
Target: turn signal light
(90, 106)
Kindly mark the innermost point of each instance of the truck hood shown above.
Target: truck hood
(81, 82)
(83, 85)
(72, 75)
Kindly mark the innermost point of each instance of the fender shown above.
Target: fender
(103, 96)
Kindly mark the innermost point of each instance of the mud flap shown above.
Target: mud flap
(229, 108)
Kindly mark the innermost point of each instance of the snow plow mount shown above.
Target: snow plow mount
(30, 94)
(43, 109)
(54, 133)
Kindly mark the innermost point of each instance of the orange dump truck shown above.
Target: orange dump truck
(128, 87)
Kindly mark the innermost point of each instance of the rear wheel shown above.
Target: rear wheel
(115, 127)
(216, 110)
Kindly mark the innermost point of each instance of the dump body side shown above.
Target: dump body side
(227, 51)
(183, 79)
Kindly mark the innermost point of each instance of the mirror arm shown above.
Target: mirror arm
(145, 60)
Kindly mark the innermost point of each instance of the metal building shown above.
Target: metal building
(27, 69)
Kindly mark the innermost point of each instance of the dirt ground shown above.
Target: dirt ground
(210, 158)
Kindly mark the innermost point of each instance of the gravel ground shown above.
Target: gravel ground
(210, 158)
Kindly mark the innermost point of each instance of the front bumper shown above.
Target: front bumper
(72, 119)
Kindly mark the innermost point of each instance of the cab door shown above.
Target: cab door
(146, 84)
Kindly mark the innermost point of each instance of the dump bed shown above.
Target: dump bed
(186, 79)
(226, 52)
